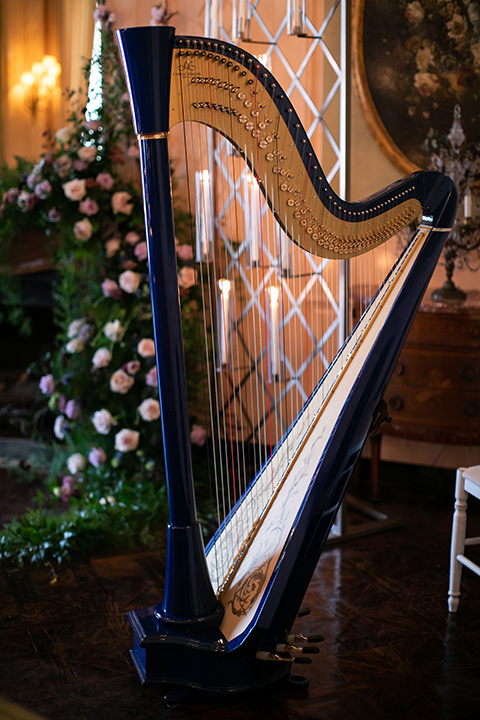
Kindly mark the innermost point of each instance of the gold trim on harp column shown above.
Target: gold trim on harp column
(153, 136)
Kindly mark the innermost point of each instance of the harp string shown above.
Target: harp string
(229, 459)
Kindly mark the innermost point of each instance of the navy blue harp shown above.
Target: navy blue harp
(225, 621)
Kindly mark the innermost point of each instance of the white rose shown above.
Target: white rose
(76, 463)
(126, 440)
(120, 382)
(75, 327)
(146, 348)
(75, 189)
(87, 154)
(113, 330)
(129, 281)
(59, 427)
(102, 421)
(74, 345)
(102, 358)
(149, 410)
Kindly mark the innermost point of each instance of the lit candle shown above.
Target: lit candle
(283, 244)
(274, 293)
(223, 329)
(203, 215)
(467, 205)
(252, 217)
(241, 20)
(296, 17)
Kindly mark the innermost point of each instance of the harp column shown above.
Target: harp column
(188, 599)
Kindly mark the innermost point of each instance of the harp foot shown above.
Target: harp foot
(182, 661)
(174, 697)
(297, 682)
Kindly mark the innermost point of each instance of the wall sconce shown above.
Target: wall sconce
(39, 82)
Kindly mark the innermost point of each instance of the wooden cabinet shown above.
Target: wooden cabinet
(434, 392)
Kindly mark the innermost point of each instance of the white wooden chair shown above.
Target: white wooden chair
(468, 483)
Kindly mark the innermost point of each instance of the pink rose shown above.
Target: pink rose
(43, 189)
(97, 456)
(122, 203)
(68, 488)
(93, 124)
(75, 189)
(140, 251)
(72, 410)
(146, 348)
(79, 165)
(133, 151)
(53, 215)
(149, 410)
(126, 440)
(105, 181)
(132, 367)
(47, 384)
(87, 153)
(83, 229)
(129, 281)
(110, 289)
(88, 206)
(62, 166)
(11, 195)
(151, 378)
(120, 382)
(132, 237)
(185, 252)
(186, 278)
(198, 435)
(112, 246)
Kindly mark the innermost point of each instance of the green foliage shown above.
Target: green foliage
(105, 484)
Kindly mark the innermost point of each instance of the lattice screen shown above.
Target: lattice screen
(268, 383)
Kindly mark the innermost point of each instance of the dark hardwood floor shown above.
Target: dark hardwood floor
(391, 648)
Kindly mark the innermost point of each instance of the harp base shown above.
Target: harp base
(196, 661)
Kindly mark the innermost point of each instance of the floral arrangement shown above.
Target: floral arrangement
(101, 381)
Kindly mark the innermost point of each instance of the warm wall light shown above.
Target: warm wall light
(39, 82)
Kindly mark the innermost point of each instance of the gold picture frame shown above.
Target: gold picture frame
(413, 61)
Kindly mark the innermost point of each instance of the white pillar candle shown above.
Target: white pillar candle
(274, 293)
(203, 215)
(223, 324)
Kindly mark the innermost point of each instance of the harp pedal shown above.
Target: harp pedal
(275, 657)
(305, 638)
(288, 648)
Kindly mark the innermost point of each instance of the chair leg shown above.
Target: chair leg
(458, 541)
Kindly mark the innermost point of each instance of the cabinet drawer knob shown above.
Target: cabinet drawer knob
(470, 409)
(396, 403)
(469, 373)
(475, 332)
(399, 368)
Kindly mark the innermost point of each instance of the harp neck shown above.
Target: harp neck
(226, 88)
